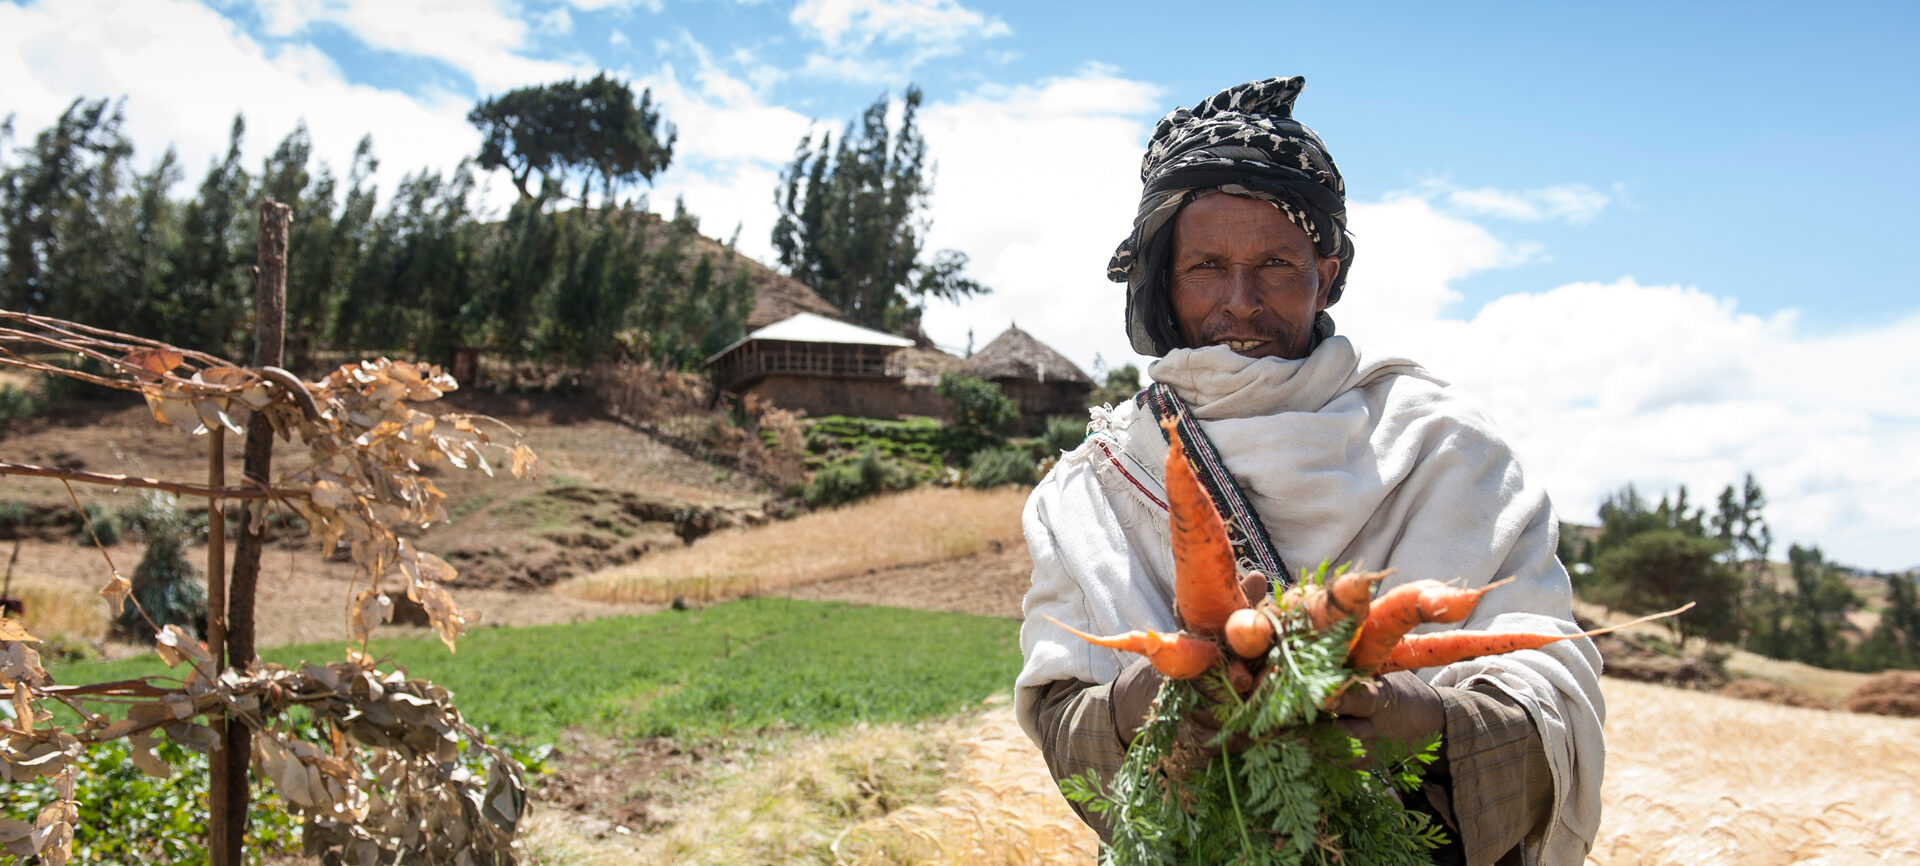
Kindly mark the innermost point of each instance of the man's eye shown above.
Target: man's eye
(1277, 262)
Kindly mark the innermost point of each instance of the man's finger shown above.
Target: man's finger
(1255, 587)
(1361, 699)
(1357, 728)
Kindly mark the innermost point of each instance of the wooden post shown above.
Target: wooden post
(269, 345)
(222, 760)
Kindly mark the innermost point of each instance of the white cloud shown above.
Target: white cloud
(186, 70)
(1407, 257)
(654, 6)
(853, 25)
(1573, 203)
(1604, 384)
(1038, 183)
(555, 22)
(731, 146)
(485, 40)
(849, 29)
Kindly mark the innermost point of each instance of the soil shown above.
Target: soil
(608, 786)
(990, 584)
(1893, 693)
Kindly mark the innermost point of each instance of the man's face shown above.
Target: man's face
(1245, 276)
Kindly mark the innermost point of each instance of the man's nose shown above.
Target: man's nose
(1243, 295)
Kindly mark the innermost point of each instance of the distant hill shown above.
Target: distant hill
(775, 295)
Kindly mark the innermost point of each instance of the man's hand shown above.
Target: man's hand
(1132, 699)
(1139, 683)
(1398, 705)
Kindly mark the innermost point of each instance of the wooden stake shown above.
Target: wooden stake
(221, 760)
(269, 343)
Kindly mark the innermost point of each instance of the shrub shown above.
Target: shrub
(16, 403)
(979, 406)
(1062, 433)
(61, 389)
(1120, 387)
(165, 584)
(13, 515)
(108, 525)
(856, 478)
(920, 446)
(992, 467)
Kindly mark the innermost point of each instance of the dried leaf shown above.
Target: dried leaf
(199, 738)
(226, 377)
(19, 838)
(20, 663)
(175, 646)
(13, 629)
(436, 569)
(369, 601)
(213, 414)
(387, 393)
(256, 395)
(140, 750)
(330, 495)
(23, 711)
(116, 592)
(384, 430)
(506, 798)
(446, 617)
(455, 454)
(523, 460)
(159, 362)
(473, 448)
(171, 411)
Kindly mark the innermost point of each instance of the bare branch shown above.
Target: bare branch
(109, 480)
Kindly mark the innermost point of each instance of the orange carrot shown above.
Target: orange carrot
(1397, 611)
(1250, 633)
(1179, 655)
(1446, 647)
(1350, 594)
(1239, 676)
(1205, 588)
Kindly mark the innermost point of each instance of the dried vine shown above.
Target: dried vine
(386, 784)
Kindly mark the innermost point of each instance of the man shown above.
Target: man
(1238, 248)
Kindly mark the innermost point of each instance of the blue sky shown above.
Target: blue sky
(1668, 243)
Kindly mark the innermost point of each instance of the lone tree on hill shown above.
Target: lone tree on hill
(593, 127)
(850, 225)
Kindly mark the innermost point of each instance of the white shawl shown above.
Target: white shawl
(1375, 462)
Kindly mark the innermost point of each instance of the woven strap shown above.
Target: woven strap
(1248, 535)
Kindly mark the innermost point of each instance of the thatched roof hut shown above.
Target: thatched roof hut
(1016, 354)
(1041, 381)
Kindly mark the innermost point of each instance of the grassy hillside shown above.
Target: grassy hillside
(732, 668)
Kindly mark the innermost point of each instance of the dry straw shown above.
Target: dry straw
(918, 526)
(1699, 778)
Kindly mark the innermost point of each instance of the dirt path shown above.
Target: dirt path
(991, 584)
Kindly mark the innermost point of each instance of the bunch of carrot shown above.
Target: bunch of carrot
(1222, 627)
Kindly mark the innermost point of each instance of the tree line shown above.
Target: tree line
(88, 235)
(1648, 557)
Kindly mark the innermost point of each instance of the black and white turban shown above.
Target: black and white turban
(1241, 141)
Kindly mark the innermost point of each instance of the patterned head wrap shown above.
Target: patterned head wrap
(1242, 141)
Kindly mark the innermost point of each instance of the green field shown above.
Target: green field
(742, 666)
